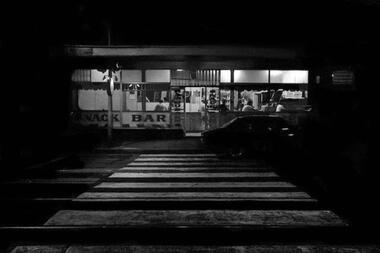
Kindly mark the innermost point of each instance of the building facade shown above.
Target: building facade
(194, 88)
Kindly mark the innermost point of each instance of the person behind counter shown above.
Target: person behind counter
(160, 107)
(247, 106)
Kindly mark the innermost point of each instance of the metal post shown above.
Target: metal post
(184, 109)
(110, 118)
(122, 98)
(109, 92)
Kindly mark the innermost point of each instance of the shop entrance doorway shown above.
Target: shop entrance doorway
(201, 108)
(200, 98)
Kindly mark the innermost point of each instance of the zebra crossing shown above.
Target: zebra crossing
(158, 177)
(151, 200)
(200, 179)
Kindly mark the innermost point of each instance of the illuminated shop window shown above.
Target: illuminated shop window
(203, 77)
(289, 76)
(86, 99)
(132, 92)
(97, 100)
(177, 99)
(99, 77)
(157, 76)
(265, 100)
(225, 76)
(250, 76)
(157, 100)
(258, 99)
(133, 100)
(157, 97)
(81, 75)
(343, 77)
(131, 75)
(92, 75)
(226, 100)
(194, 97)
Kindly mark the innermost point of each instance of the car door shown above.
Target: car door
(239, 131)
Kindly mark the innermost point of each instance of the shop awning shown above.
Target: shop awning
(194, 51)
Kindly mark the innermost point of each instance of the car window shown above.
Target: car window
(253, 124)
(263, 124)
(229, 123)
(238, 124)
(256, 124)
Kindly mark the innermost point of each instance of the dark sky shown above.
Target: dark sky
(31, 29)
(199, 22)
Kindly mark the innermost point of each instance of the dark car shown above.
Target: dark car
(254, 134)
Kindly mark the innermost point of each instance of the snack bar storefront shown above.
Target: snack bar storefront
(194, 95)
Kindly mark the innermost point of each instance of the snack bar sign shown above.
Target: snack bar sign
(145, 119)
(96, 118)
(126, 119)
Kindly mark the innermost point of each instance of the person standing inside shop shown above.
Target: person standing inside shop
(247, 105)
(223, 106)
(280, 108)
(204, 115)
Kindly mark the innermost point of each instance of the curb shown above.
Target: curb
(151, 151)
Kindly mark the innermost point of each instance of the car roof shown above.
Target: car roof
(260, 117)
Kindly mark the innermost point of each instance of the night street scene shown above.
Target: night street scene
(190, 126)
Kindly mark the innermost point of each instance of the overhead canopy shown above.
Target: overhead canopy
(164, 51)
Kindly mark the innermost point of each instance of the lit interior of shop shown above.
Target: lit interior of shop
(219, 93)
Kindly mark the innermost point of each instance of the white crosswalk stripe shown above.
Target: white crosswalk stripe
(177, 155)
(193, 168)
(196, 163)
(193, 195)
(192, 175)
(175, 159)
(196, 185)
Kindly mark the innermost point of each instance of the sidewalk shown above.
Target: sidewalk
(157, 146)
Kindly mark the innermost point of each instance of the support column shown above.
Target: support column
(143, 91)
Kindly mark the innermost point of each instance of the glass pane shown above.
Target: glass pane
(343, 77)
(226, 103)
(212, 99)
(101, 100)
(98, 76)
(289, 76)
(157, 100)
(81, 75)
(131, 75)
(177, 96)
(157, 75)
(94, 100)
(133, 100)
(194, 99)
(225, 76)
(86, 99)
(257, 100)
(250, 76)
(116, 100)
